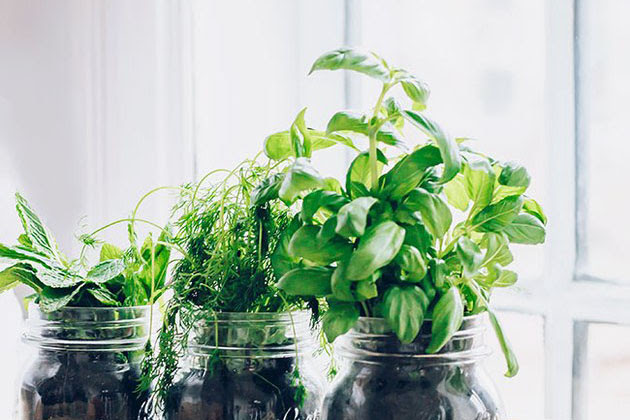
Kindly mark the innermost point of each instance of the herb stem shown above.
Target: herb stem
(372, 132)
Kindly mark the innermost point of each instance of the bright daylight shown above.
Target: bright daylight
(314, 210)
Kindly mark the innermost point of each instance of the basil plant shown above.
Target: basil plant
(421, 232)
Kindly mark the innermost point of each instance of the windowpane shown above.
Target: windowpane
(525, 332)
(603, 373)
(603, 106)
(485, 63)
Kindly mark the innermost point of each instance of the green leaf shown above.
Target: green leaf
(417, 90)
(479, 180)
(267, 190)
(448, 315)
(449, 150)
(155, 267)
(418, 237)
(57, 278)
(19, 274)
(110, 252)
(359, 173)
(341, 285)
(436, 215)
(51, 299)
(105, 271)
(403, 309)
(532, 207)
(104, 296)
(321, 199)
(312, 281)
(281, 260)
(410, 260)
(514, 175)
(526, 229)
(358, 123)
(506, 348)
(377, 248)
(366, 289)
(506, 278)
(352, 217)
(305, 244)
(38, 234)
(277, 146)
(301, 144)
(456, 194)
(497, 249)
(409, 171)
(339, 319)
(355, 60)
(496, 217)
(300, 177)
(470, 256)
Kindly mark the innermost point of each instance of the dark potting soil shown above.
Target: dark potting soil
(80, 386)
(368, 392)
(266, 392)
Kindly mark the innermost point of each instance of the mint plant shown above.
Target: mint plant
(413, 235)
(120, 278)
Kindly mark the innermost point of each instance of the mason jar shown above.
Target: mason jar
(85, 364)
(248, 366)
(384, 379)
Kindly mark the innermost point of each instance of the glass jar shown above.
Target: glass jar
(248, 366)
(383, 379)
(86, 364)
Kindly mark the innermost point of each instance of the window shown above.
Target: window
(192, 86)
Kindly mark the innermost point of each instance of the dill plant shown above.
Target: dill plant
(227, 240)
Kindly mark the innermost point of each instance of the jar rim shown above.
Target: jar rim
(98, 329)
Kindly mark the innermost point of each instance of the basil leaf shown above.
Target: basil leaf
(105, 271)
(504, 191)
(318, 199)
(352, 217)
(359, 173)
(409, 171)
(438, 270)
(514, 175)
(479, 180)
(456, 193)
(506, 278)
(339, 319)
(497, 249)
(410, 260)
(341, 285)
(506, 348)
(376, 249)
(267, 190)
(526, 229)
(449, 150)
(403, 309)
(312, 281)
(470, 256)
(38, 234)
(281, 259)
(155, 267)
(358, 123)
(436, 215)
(496, 217)
(366, 289)
(448, 315)
(304, 244)
(277, 146)
(417, 90)
(532, 207)
(355, 60)
(300, 177)
(418, 237)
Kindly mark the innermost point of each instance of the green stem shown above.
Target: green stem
(372, 131)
